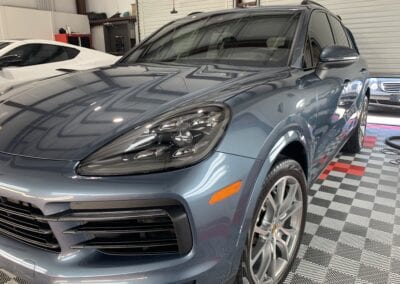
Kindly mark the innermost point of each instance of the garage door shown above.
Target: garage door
(375, 25)
(155, 13)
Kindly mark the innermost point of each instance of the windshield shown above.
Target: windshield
(3, 44)
(250, 38)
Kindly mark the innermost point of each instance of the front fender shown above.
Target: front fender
(266, 152)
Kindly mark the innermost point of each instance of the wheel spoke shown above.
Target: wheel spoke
(289, 199)
(272, 266)
(280, 191)
(257, 250)
(283, 248)
(266, 260)
(273, 204)
(288, 232)
(261, 231)
(292, 210)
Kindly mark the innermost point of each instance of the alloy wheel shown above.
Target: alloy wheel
(276, 231)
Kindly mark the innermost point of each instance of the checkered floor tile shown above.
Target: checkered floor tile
(352, 233)
(8, 278)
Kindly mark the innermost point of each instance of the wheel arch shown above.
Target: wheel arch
(293, 144)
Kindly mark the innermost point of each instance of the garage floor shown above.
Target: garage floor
(352, 233)
(353, 225)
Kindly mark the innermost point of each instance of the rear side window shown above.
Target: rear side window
(338, 32)
(72, 52)
(352, 41)
(35, 54)
(320, 35)
(3, 44)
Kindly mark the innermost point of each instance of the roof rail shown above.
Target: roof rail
(308, 2)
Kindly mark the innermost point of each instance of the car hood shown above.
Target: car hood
(70, 116)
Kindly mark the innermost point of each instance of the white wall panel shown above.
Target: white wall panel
(77, 23)
(19, 3)
(155, 13)
(65, 6)
(376, 27)
(98, 38)
(26, 23)
(37, 23)
(110, 7)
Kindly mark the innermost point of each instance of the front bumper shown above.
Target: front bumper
(381, 98)
(52, 186)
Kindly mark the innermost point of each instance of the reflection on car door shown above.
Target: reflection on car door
(336, 92)
(353, 81)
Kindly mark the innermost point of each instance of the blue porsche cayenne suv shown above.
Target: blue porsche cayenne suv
(189, 160)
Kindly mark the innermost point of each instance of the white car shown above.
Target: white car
(28, 60)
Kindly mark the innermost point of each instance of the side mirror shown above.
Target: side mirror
(10, 60)
(337, 57)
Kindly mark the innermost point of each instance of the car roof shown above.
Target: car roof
(32, 41)
(43, 41)
(274, 8)
(7, 41)
(304, 5)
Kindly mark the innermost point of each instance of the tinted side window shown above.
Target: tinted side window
(308, 55)
(34, 54)
(320, 35)
(22, 52)
(338, 32)
(72, 52)
(3, 44)
(351, 39)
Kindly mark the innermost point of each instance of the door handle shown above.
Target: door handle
(364, 70)
(346, 82)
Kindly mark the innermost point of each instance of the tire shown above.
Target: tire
(283, 233)
(355, 143)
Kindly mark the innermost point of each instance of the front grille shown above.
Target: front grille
(141, 227)
(386, 102)
(391, 87)
(137, 231)
(25, 223)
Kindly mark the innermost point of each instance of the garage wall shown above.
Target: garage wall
(155, 13)
(77, 23)
(19, 3)
(35, 23)
(376, 27)
(32, 23)
(110, 7)
(66, 6)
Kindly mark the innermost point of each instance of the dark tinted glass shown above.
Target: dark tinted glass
(235, 38)
(307, 55)
(320, 35)
(338, 32)
(72, 52)
(3, 44)
(34, 54)
(352, 40)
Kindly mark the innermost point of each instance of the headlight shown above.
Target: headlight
(174, 140)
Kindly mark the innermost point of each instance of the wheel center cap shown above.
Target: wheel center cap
(275, 228)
